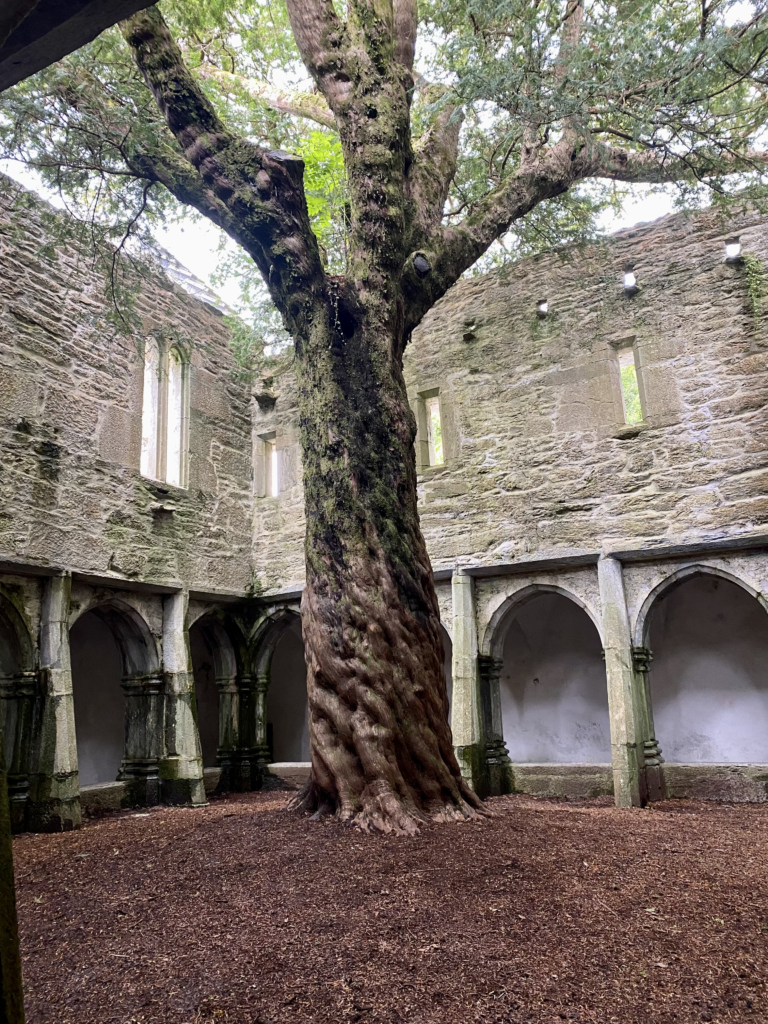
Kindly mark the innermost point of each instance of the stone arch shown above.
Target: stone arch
(674, 580)
(545, 662)
(118, 697)
(216, 671)
(703, 635)
(280, 671)
(493, 636)
(18, 688)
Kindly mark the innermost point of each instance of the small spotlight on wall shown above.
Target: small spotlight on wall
(542, 308)
(630, 280)
(732, 250)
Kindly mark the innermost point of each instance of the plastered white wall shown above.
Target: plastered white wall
(287, 698)
(553, 691)
(99, 702)
(709, 674)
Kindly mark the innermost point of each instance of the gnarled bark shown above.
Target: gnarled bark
(382, 752)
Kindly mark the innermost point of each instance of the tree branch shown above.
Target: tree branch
(321, 38)
(406, 27)
(432, 171)
(455, 248)
(262, 190)
(287, 101)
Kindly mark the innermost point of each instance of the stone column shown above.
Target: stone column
(17, 697)
(181, 767)
(140, 767)
(465, 712)
(498, 764)
(261, 747)
(11, 998)
(654, 773)
(54, 791)
(228, 749)
(626, 722)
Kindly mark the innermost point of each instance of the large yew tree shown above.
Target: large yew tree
(509, 124)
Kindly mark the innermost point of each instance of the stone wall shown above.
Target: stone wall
(71, 494)
(539, 462)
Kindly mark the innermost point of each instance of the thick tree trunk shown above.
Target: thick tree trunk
(382, 754)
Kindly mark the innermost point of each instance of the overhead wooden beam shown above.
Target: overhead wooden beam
(36, 33)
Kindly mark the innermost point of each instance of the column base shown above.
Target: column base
(48, 811)
(142, 783)
(498, 766)
(181, 782)
(183, 792)
(240, 771)
(474, 770)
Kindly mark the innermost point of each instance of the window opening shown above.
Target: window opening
(434, 431)
(164, 416)
(630, 387)
(732, 250)
(271, 467)
(174, 436)
(150, 410)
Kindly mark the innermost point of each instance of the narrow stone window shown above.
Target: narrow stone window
(430, 436)
(630, 386)
(150, 411)
(434, 431)
(176, 420)
(165, 415)
(270, 466)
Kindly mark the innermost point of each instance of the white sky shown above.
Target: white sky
(196, 244)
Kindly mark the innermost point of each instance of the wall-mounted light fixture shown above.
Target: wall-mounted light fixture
(542, 308)
(732, 250)
(630, 280)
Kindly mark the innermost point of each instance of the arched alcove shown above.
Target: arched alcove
(552, 683)
(17, 691)
(110, 647)
(213, 667)
(287, 723)
(709, 684)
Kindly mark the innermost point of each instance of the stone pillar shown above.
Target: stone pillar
(228, 749)
(54, 791)
(11, 998)
(465, 712)
(654, 773)
(498, 764)
(18, 693)
(181, 767)
(140, 767)
(261, 747)
(626, 722)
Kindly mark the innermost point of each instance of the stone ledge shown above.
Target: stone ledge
(292, 773)
(731, 783)
(569, 781)
(111, 796)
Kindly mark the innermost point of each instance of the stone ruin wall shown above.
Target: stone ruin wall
(71, 494)
(539, 463)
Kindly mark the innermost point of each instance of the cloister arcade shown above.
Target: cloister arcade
(164, 690)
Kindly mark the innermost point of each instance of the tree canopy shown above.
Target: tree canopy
(364, 155)
(671, 92)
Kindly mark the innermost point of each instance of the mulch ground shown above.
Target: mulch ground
(246, 913)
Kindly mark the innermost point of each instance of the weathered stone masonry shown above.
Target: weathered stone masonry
(601, 583)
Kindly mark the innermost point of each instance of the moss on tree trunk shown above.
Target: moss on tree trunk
(382, 752)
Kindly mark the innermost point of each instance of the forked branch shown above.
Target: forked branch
(263, 190)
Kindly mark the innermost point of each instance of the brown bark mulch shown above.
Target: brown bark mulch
(246, 913)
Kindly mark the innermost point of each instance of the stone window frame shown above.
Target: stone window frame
(267, 443)
(617, 346)
(155, 467)
(422, 428)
